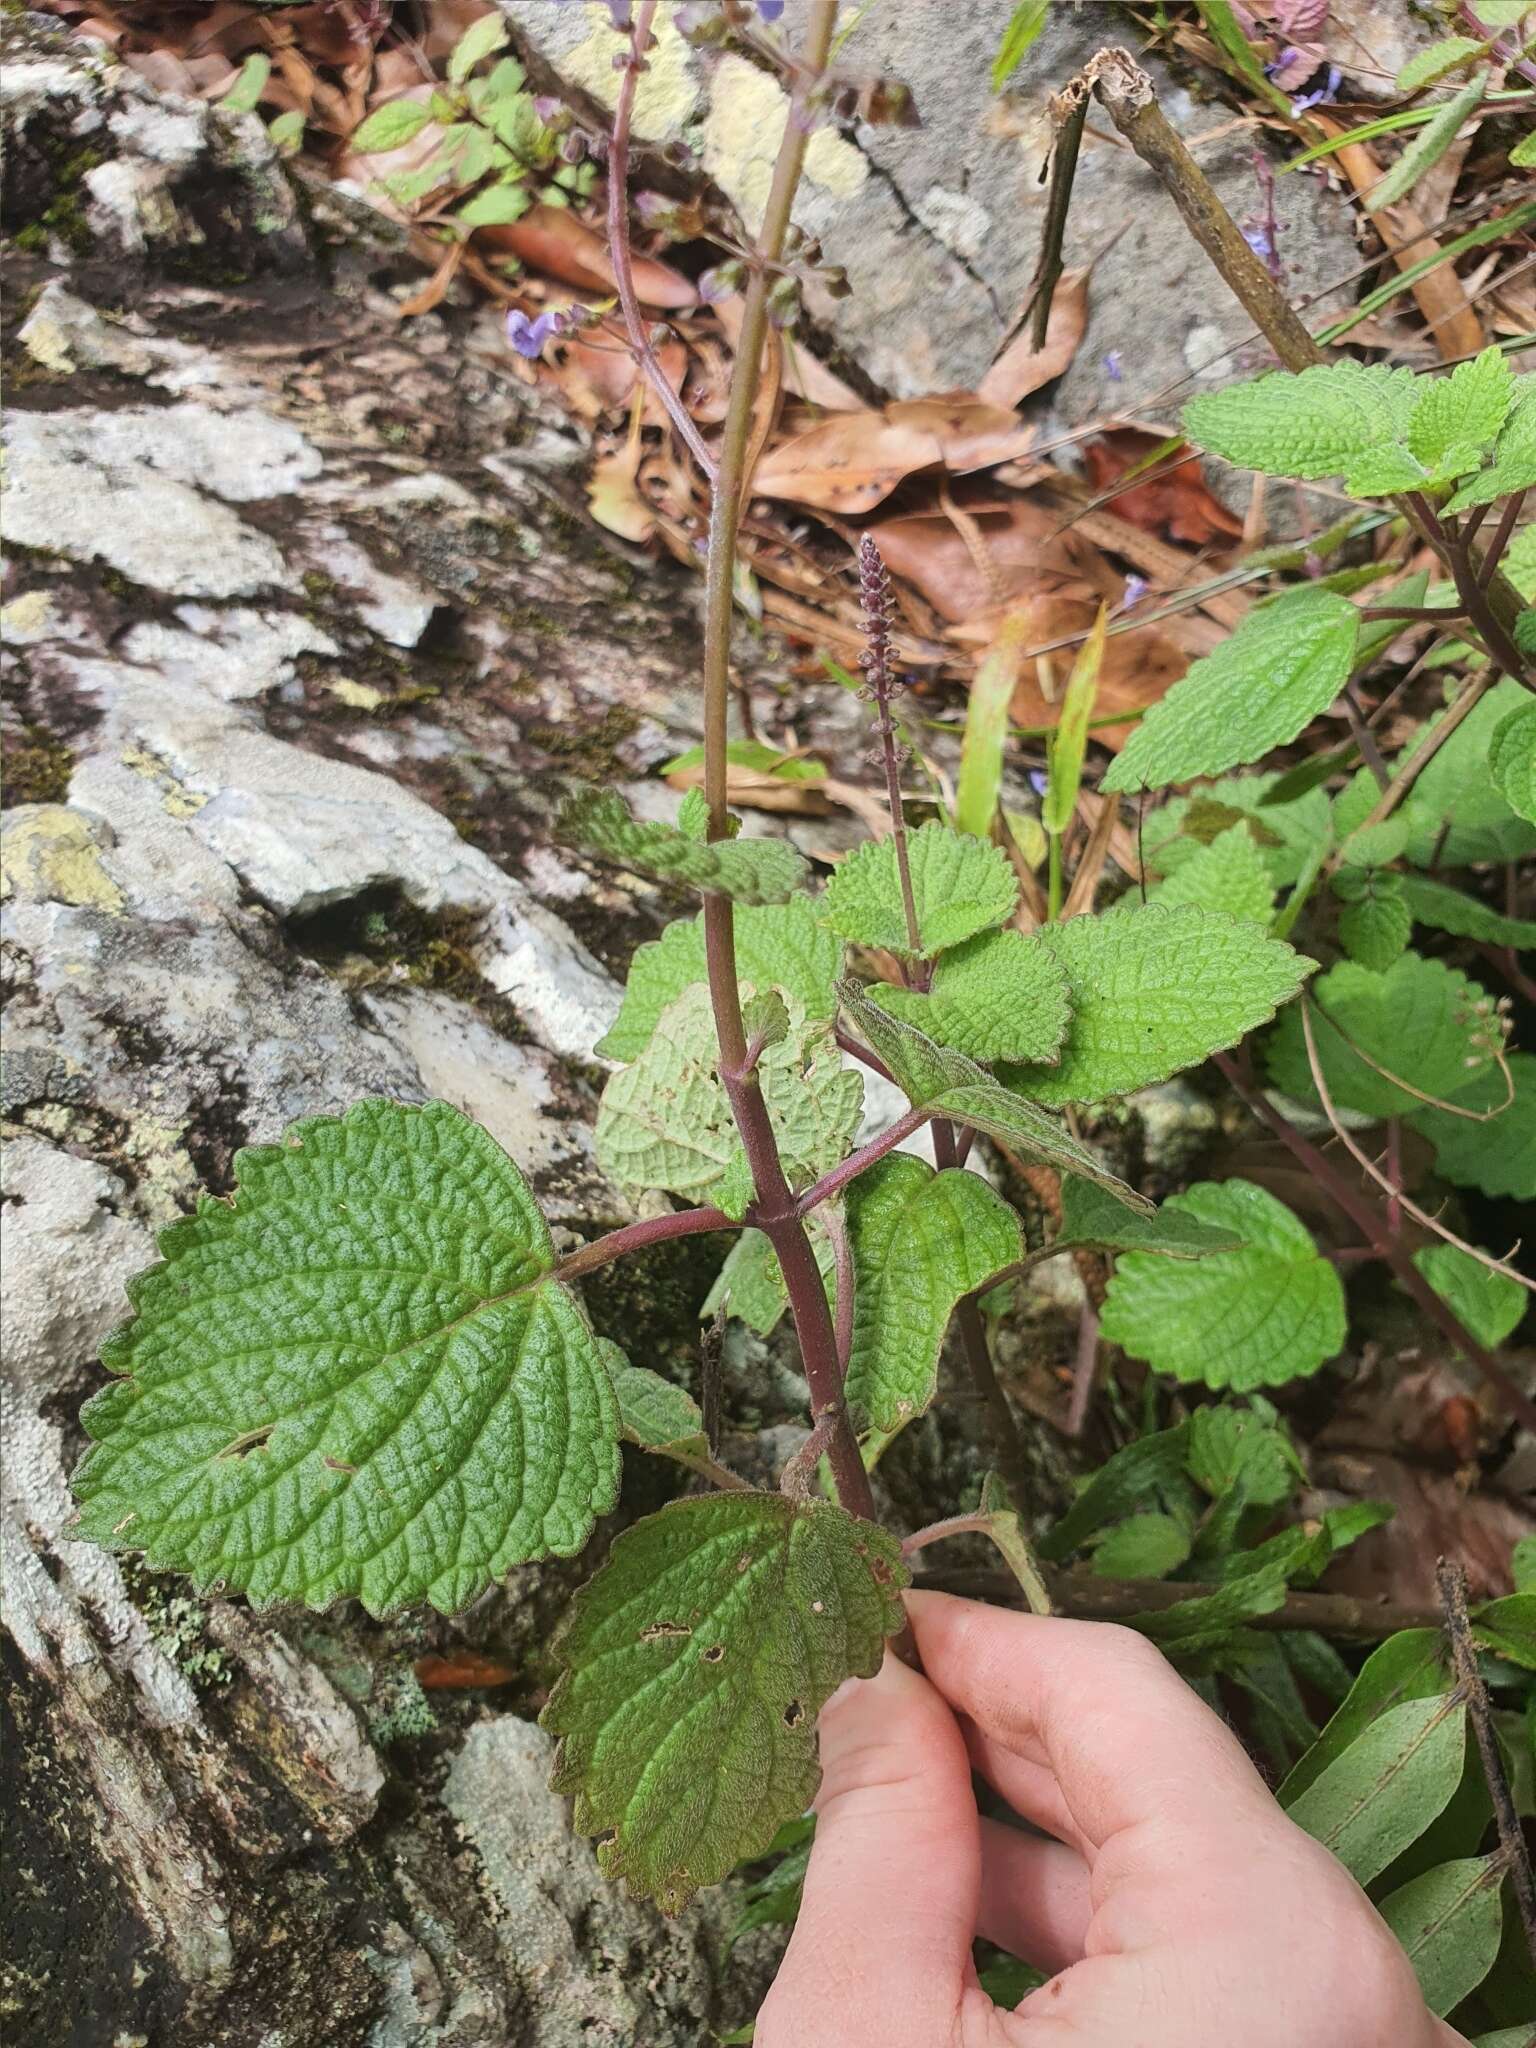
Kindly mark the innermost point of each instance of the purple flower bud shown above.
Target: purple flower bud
(770, 10)
(652, 207)
(549, 107)
(528, 337)
(1114, 366)
(1260, 241)
(1287, 57)
(1038, 781)
(619, 9)
(1135, 591)
(1323, 96)
(721, 281)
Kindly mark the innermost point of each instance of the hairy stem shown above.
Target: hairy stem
(636, 1237)
(856, 1162)
(1366, 1218)
(1452, 1583)
(618, 241)
(774, 1211)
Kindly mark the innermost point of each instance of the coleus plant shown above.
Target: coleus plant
(369, 1373)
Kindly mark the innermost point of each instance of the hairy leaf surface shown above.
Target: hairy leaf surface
(1450, 1922)
(778, 945)
(920, 1241)
(1465, 409)
(1000, 996)
(750, 870)
(1319, 423)
(960, 886)
(1258, 1317)
(1417, 1022)
(356, 1377)
(1499, 1155)
(1091, 1218)
(1452, 910)
(1378, 1797)
(1287, 833)
(1457, 813)
(1231, 875)
(1512, 761)
(1283, 665)
(1154, 990)
(1375, 924)
(696, 1662)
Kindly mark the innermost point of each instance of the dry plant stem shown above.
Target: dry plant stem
(1127, 95)
(1452, 1583)
(618, 242)
(1368, 1221)
(1082, 1593)
(1070, 112)
(1473, 691)
(1086, 1371)
(874, 591)
(774, 1211)
(711, 1374)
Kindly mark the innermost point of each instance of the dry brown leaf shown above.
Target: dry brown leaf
(432, 292)
(1174, 499)
(613, 496)
(852, 461)
(1023, 547)
(1454, 326)
(1022, 368)
(805, 375)
(552, 239)
(758, 791)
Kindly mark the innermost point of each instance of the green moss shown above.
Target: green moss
(399, 1711)
(34, 767)
(588, 749)
(178, 1626)
(379, 938)
(63, 219)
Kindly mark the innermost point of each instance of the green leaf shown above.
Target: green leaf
(495, 206)
(1491, 1305)
(1371, 1802)
(1068, 742)
(1130, 1479)
(1498, 1156)
(1231, 875)
(778, 945)
(774, 1900)
(1450, 910)
(1431, 142)
(751, 870)
(1024, 25)
(1147, 1546)
(1001, 995)
(654, 1413)
(1512, 761)
(665, 1121)
(1319, 423)
(979, 783)
(249, 83)
(960, 886)
(1092, 1218)
(1419, 1021)
(1408, 1666)
(1457, 814)
(750, 1285)
(1285, 664)
(1220, 19)
(390, 126)
(952, 1086)
(1465, 409)
(1514, 463)
(1425, 66)
(1272, 1312)
(1154, 990)
(761, 759)
(920, 1241)
(1522, 1565)
(1238, 1449)
(478, 42)
(1505, 2037)
(1287, 833)
(1450, 1921)
(1376, 923)
(1508, 1628)
(355, 1378)
(696, 1663)
(286, 133)
(1523, 156)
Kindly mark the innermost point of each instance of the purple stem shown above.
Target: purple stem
(829, 1184)
(635, 1237)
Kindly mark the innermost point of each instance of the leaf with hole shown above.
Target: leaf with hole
(778, 945)
(1285, 664)
(960, 886)
(1287, 833)
(1450, 1922)
(356, 1377)
(1380, 1795)
(920, 1241)
(1000, 996)
(1154, 990)
(750, 870)
(1269, 1313)
(1420, 1022)
(694, 1666)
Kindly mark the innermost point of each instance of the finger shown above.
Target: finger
(1035, 1900)
(1124, 1737)
(894, 1873)
(1030, 1788)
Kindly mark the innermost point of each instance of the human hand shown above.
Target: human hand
(1177, 1903)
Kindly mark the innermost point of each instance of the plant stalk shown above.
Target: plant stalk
(636, 1237)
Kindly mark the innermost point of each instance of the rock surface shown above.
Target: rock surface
(302, 645)
(939, 226)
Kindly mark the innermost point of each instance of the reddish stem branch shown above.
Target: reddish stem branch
(856, 1162)
(636, 1237)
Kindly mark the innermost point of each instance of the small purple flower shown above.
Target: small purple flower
(1287, 57)
(1038, 781)
(1324, 95)
(1261, 241)
(1114, 366)
(1135, 591)
(528, 337)
(770, 10)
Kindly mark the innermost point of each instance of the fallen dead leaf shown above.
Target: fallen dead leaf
(1174, 499)
(805, 375)
(852, 461)
(1024, 551)
(1454, 326)
(1022, 368)
(758, 791)
(554, 240)
(613, 497)
(460, 1671)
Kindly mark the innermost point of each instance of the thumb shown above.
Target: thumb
(883, 1941)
